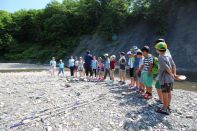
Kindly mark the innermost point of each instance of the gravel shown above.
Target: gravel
(36, 101)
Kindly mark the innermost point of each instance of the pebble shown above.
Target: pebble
(2, 104)
(67, 85)
(37, 124)
(189, 116)
(150, 128)
(26, 121)
(49, 128)
(96, 129)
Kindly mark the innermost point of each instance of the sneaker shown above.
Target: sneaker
(136, 88)
(123, 83)
(169, 109)
(139, 91)
(133, 88)
(159, 102)
(163, 111)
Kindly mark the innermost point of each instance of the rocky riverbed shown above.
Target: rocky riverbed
(35, 101)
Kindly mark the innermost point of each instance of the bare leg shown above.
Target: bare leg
(160, 95)
(120, 75)
(132, 81)
(165, 100)
(169, 97)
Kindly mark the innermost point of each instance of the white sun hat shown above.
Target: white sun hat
(129, 53)
(106, 54)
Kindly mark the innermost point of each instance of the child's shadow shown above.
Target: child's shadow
(142, 114)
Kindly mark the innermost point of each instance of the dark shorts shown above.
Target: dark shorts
(167, 87)
(131, 72)
(122, 67)
(76, 67)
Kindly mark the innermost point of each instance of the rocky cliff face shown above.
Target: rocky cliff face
(181, 37)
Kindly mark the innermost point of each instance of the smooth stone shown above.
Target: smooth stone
(2, 104)
(49, 128)
(26, 121)
(96, 129)
(190, 116)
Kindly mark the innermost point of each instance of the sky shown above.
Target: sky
(15, 5)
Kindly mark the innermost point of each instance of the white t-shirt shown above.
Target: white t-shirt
(71, 63)
(131, 63)
(81, 62)
(76, 63)
(53, 63)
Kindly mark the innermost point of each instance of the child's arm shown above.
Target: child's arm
(129, 62)
(170, 71)
(150, 69)
(141, 68)
(150, 66)
(174, 70)
(173, 67)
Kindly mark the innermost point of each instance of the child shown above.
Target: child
(81, 67)
(157, 84)
(122, 70)
(53, 66)
(94, 66)
(76, 66)
(61, 68)
(147, 69)
(71, 65)
(112, 67)
(100, 69)
(136, 67)
(141, 85)
(167, 74)
(106, 66)
(131, 68)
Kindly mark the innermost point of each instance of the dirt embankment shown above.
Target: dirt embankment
(181, 37)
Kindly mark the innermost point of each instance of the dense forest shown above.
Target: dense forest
(37, 35)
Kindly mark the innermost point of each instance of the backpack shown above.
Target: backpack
(155, 68)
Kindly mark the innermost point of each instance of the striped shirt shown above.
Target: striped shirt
(147, 62)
